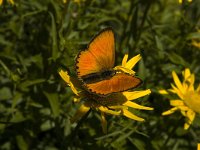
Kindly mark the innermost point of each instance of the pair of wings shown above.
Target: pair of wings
(99, 57)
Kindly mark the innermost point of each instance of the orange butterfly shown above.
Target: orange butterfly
(94, 66)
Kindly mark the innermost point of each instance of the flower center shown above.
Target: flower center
(192, 100)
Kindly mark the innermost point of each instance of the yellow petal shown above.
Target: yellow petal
(191, 79)
(190, 115)
(80, 113)
(177, 81)
(183, 108)
(196, 44)
(172, 90)
(198, 88)
(186, 73)
(198, 146)
(123, 69)
(124, 60)
(76, 99)
(163, 92)
(177, 91)
(131, 115)
(170, 111)
(176, 102)
(136, 106)
(118, 107)
(136, 94)
(108, 111)
(192, 100)
(103, 123)
(1, 1)
(131, 63)
(183, 112)
(180, 1)
(64, 75)
(12, 2)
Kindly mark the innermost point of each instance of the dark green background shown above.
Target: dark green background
(39, 37)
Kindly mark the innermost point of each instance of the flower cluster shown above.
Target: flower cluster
(113, 104)
(188, 101)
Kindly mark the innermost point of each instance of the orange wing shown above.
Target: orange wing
(118, 83)
(100, 54)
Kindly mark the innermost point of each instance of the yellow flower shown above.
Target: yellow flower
(196, 43)
(188, 101)
(9, 1)
(113, 104)
(198, 146)
(181, 1)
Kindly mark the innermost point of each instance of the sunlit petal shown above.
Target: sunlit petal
(131, 115)
(103, 123)
(190, 115)
(163, 92)
(65, 76)
(125, 70)
(183, 113)
(131, 63)
(183, 108)
(177, 91)
(12, 2)
(176, 102)
(136, 94)
(119, 107)
(124, 60)
(80, 113)
(177, 81)
(170, 111)
(186, 73)
(136, 106)
(108, 111)
(172, 90)
(77, 99)
(196, 43)
(198, 88)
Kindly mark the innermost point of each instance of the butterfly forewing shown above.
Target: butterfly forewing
(99, 56)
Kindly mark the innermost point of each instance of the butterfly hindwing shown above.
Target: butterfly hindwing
(99, 56)
(117, 83)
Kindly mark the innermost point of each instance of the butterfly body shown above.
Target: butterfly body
(95, 67)
(99, 76)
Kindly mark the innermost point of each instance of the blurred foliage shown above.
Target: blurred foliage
(39, 37)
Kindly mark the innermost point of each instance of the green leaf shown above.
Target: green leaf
(142, 71)
(16, 99)
(54, 103)
(177, 59)
(21, 143)
(5, 93)
(24, 85)
(55, 53)
(195, 35)
(17, 117)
